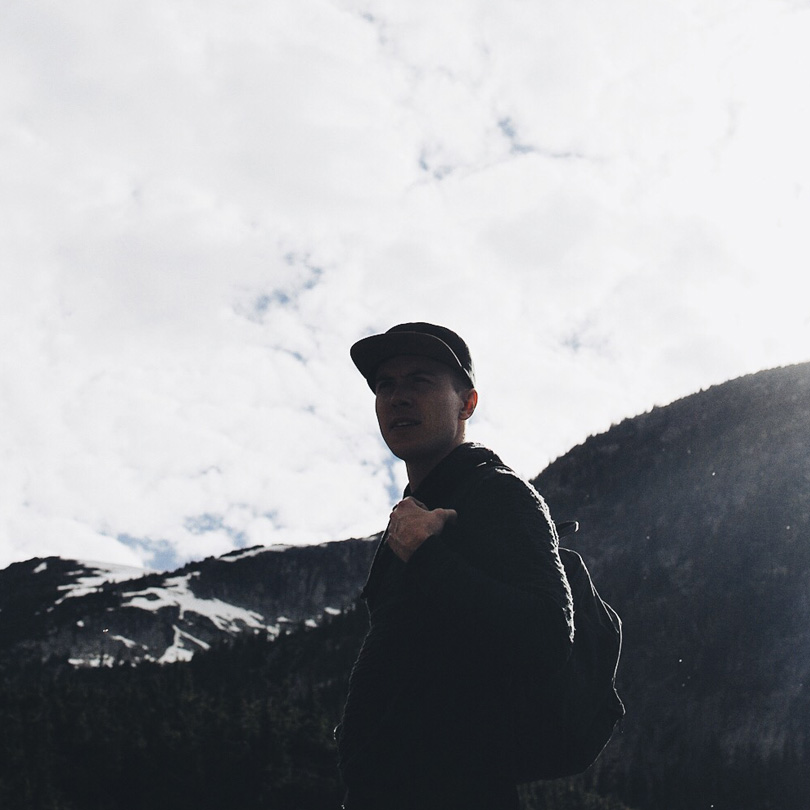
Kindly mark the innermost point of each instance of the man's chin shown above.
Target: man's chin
(399, 451)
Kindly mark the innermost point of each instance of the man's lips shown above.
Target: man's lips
(403, 422)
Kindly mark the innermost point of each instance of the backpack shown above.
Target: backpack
(562, 722)
(567, 720)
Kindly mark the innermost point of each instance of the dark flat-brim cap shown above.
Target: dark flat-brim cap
(419, 339)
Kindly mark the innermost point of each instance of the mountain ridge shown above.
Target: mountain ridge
(64, 609)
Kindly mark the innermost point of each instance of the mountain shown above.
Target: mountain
(91, 613)
(695, 525)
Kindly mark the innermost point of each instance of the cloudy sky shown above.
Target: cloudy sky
(204, 204)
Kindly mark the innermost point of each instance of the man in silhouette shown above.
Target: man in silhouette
(466, 590)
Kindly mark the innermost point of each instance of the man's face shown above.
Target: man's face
(420, 412)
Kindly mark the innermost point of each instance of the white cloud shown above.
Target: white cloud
(205, 206)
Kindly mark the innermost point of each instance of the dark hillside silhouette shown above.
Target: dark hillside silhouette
(696, 525)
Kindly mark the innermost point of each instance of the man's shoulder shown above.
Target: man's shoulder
(502, 483)
(472, 454)
(474, 463)
(485, 479)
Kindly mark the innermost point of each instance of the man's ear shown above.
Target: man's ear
(470, 402)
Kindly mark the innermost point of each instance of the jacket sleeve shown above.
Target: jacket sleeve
(495, 578)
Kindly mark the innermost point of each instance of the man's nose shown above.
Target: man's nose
(401, 394)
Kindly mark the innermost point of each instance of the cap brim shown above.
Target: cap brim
(369, 352)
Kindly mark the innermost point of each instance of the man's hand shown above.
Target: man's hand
(412, 523)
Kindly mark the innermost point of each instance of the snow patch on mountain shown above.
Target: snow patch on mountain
(244, 554)
(179, 650)
(176, 593)
(91, 576)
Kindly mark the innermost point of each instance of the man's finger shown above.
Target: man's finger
(411, 499)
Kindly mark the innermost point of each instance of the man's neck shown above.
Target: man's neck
(416, 474)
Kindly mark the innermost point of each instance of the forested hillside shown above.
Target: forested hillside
(248, 726)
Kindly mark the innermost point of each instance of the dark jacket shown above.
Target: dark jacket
(428, 704)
